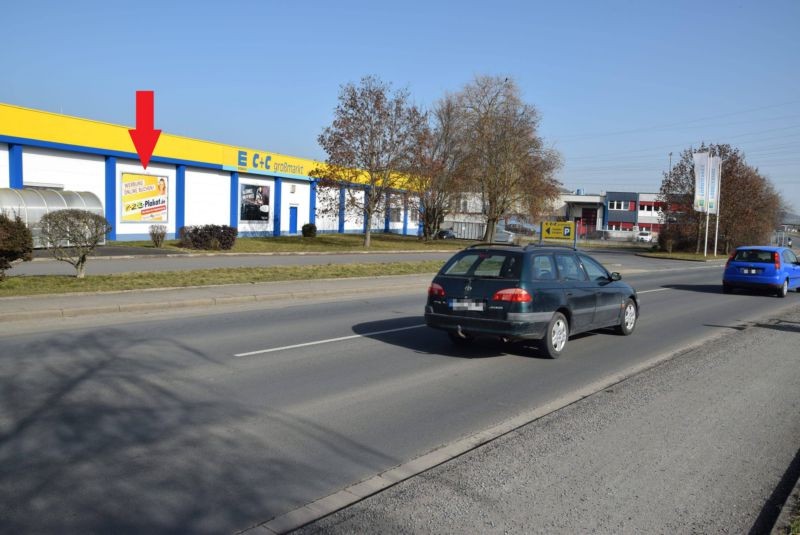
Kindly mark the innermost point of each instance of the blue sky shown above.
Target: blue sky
(619, 84)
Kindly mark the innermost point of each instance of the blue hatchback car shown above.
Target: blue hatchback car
(769, 268)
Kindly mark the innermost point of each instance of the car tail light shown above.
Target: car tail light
(730, 259)
(435, 290)
(513, 295)
(777, 259)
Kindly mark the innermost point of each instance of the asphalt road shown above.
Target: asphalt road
(155, 425)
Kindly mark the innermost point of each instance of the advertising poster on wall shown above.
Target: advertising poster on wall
(144, 198)
(254, 203)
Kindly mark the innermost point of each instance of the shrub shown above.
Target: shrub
(675, 237)
(72, 234)
(16, 242)
(157, 235)
(309, 230)
(208, 237)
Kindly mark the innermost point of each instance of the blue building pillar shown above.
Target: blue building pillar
(312, 209)
(387, 218)
(234, 200)
(342, 208)
(180, 198)
(276, 210)
(111, 196)
(405, 215)
(15, 166)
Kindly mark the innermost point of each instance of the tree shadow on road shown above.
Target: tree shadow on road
(101, 433)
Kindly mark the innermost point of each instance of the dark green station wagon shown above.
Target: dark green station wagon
(533, 293)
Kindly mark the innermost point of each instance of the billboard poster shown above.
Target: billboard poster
(144, 198)
(700, 180)
(254, 203)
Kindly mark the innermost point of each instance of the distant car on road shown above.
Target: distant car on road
(771, 268)
(645, 236)
(539, 293)
(446, 235)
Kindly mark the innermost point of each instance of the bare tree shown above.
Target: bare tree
(437, 166)
(72, 234)
(369, 142)
(507, 162)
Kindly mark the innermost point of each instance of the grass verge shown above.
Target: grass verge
(322, 243)
(695, 257)
(50, 284)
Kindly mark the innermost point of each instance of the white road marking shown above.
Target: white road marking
(656, 290)
(353, 336)
(328, 341)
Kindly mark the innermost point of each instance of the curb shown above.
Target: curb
(792, 504)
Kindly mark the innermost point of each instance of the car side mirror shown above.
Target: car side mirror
(615, 276)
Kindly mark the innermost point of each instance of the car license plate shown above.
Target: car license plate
(750, 271)
(467, 304)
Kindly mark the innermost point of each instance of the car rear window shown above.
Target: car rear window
(753, 255)
(488, 264)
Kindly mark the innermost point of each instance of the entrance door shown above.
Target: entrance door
(293, 220)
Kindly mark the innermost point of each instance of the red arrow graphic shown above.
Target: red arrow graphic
(144, 136)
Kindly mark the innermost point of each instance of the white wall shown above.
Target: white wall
(140, 230)
(301, 198)
(327, 209)
(207, 197)
(69, 170)
(4, 178)
(354, 215)
(260, 227)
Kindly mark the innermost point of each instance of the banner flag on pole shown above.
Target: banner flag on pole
(700, 179)
(714, 165)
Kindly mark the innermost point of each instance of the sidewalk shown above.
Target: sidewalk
(71, 305)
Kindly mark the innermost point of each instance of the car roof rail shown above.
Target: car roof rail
(492, 244)
(535, 245)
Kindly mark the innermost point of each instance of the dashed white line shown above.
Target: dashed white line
(328, 341)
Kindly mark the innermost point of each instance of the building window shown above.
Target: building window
(621, 205)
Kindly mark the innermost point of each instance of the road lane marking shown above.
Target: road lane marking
(656, 290)
(328, 341)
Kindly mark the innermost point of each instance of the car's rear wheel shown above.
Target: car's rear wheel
(628, 322)
(784, 289)
(556, 336)
(461, 340)
(727, 289)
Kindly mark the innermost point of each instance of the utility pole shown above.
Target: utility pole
(670, 166)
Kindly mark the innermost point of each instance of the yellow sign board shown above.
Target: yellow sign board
(144, 198)
(558, 230)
